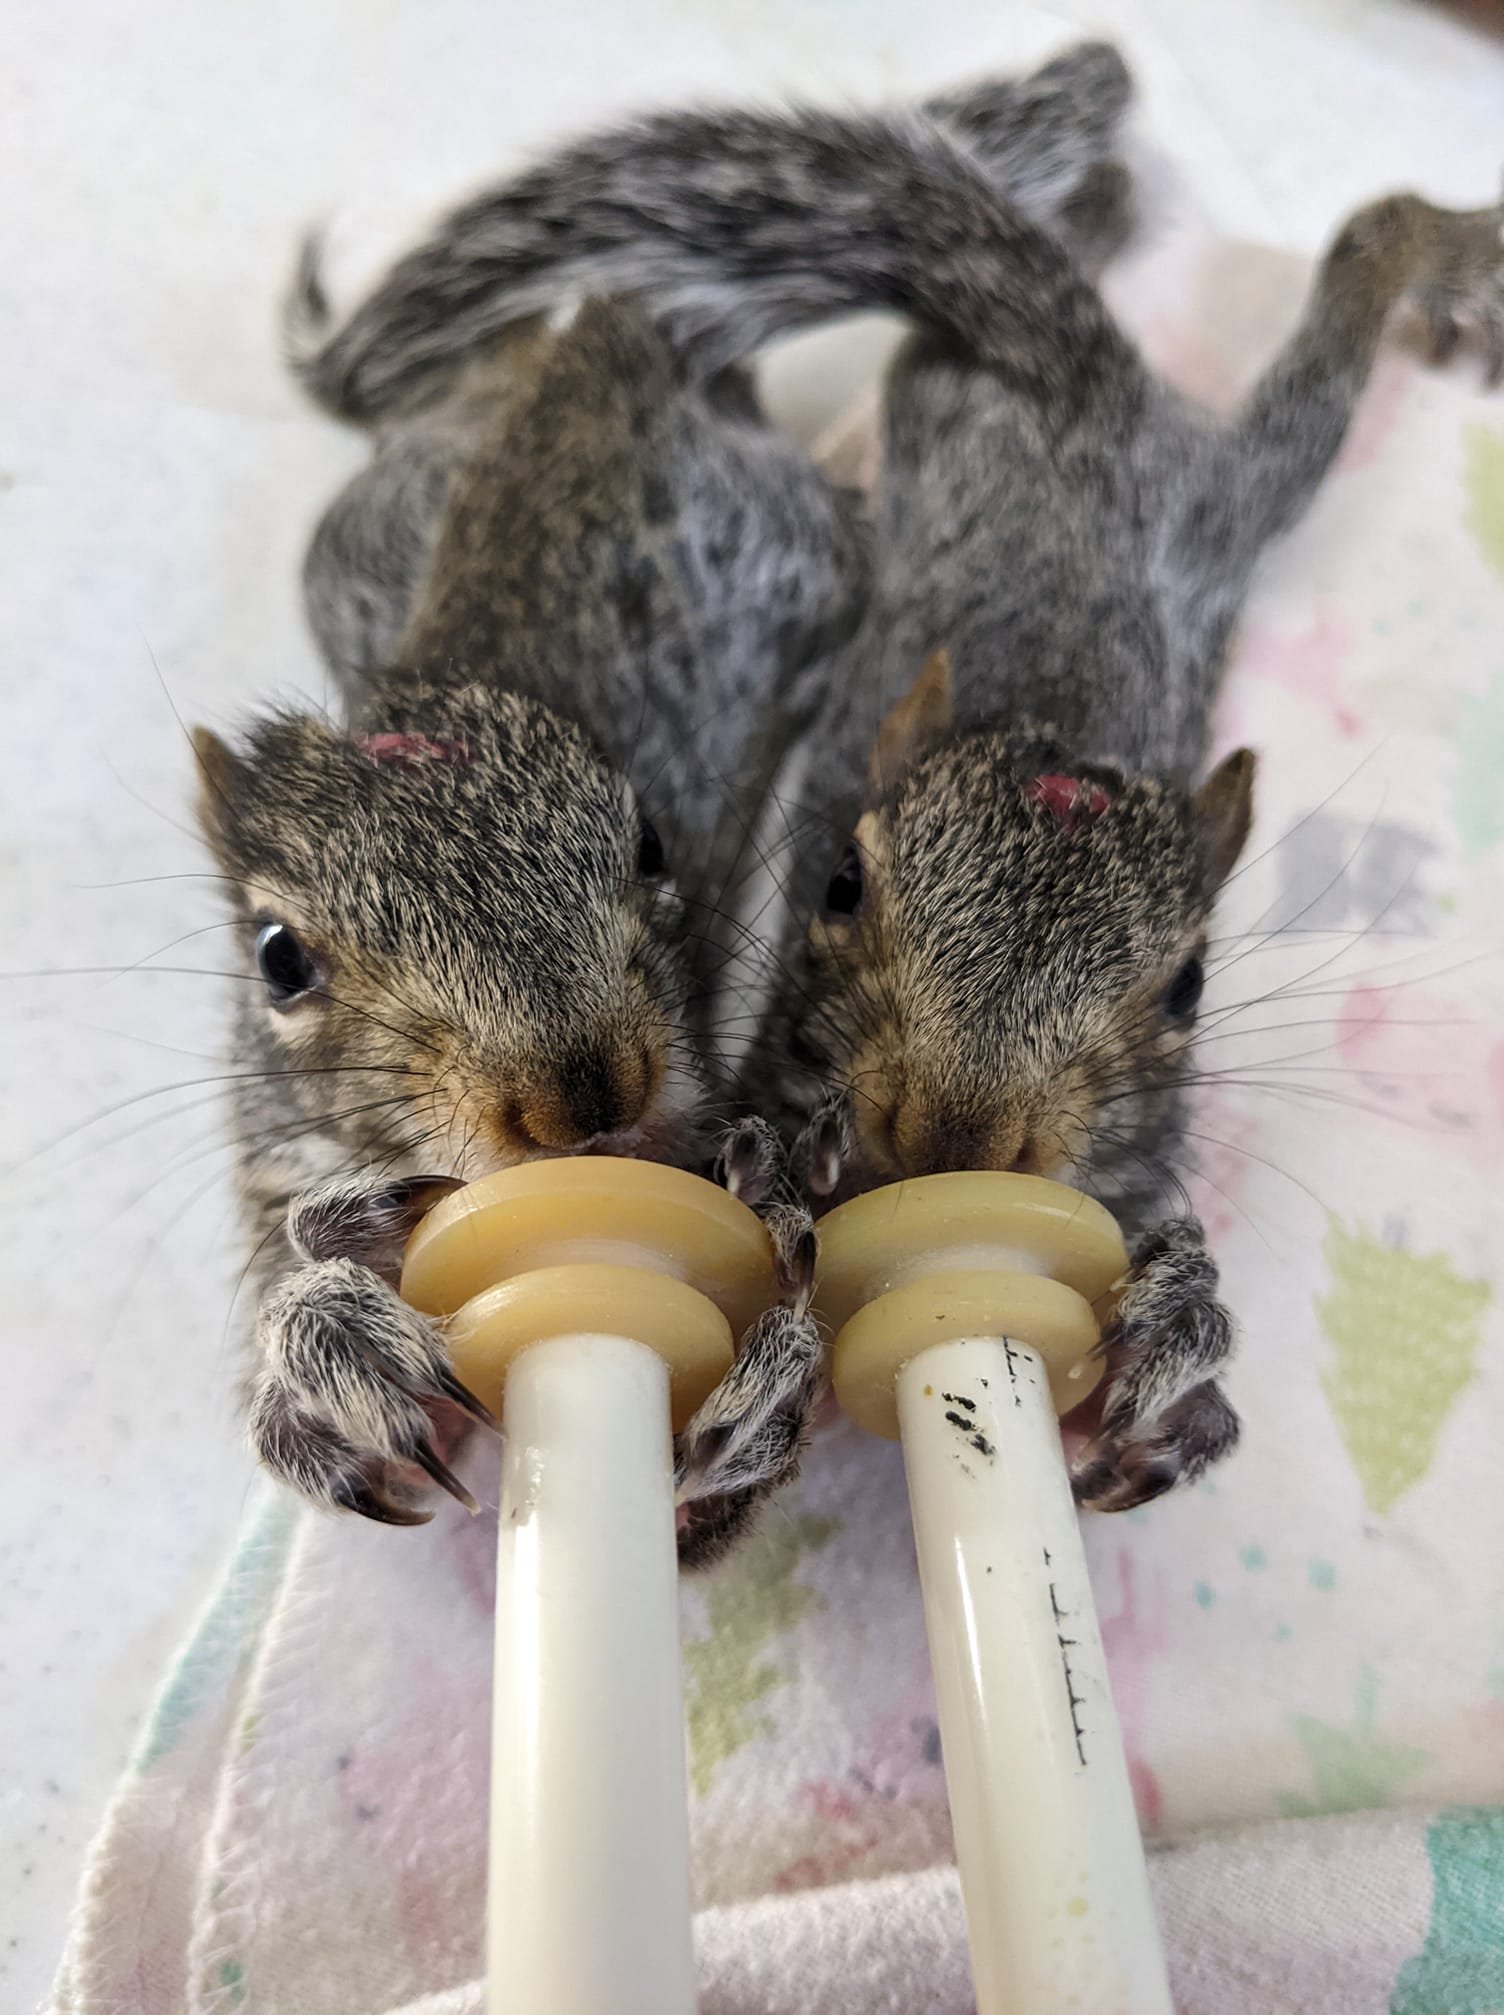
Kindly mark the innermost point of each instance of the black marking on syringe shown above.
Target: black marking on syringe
(1067, 1646)
(960, 1399)
(1008, 1354)
(969, 1428)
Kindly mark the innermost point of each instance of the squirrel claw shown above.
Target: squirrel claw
(461, 1396)
(358, 1495)
(352, 1402)
(444, 1476)
(1108, 1478)
(1123, 1469)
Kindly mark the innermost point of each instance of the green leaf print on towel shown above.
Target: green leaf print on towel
(1460, 1968)
(1405, 1332)
(727, 1673)
(1353, 1768)
(1484, 478)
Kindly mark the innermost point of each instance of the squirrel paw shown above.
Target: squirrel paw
(821, 1148)
(1164, 1420)
(354, 1388)
(350, 1217)
(751, 1163)
(750, 1433)
(1460, 299)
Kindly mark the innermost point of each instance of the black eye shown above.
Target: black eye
(1183, 994)
(843, 893)
(649, 851)
(284, 964)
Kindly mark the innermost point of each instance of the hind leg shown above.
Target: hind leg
(370, 552)
(1260, 473)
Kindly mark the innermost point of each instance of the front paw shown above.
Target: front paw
(1164, 1420)
(822, 1148)
(351, 1217)
(353, 1391)
(353, 1397)
(748, 1437)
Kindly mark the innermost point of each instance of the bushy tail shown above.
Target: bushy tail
(741, 226)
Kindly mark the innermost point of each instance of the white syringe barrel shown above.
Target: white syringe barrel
(592, 1304)
(967, 1308)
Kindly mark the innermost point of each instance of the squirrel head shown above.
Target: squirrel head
(460, 940)
(1009, 956)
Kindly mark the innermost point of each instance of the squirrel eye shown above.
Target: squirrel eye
(843, 893)
(284, 963)
(649, 851)
(1183, 994)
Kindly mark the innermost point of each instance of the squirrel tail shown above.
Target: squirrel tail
(738, 226)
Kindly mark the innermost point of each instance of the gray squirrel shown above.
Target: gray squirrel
(576, 587)
(1007, 865)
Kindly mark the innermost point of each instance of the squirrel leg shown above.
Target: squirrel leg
(353, 1388)
(1261, 472)
(1164, 1420)
(748, 1437)
(370, 551)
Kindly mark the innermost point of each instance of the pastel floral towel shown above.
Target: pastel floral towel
(1307, 1649)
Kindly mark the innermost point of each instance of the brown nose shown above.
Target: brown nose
(591, 1091)
(932, 1140)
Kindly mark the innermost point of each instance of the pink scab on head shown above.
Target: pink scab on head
(1069, 799)
(409, 750)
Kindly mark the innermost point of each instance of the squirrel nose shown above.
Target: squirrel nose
(935, 1140)
(929, 1140)
(591, 1091)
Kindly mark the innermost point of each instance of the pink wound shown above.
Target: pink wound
(410, 749)
(1070, 799)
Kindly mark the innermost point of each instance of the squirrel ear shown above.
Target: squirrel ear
(922, 716)
(1224, 813)
(218, 768)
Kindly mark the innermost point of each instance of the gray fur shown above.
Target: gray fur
(1079, 540)
(582, 586)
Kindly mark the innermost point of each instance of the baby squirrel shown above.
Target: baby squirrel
(565, 600)
(1002, 966)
